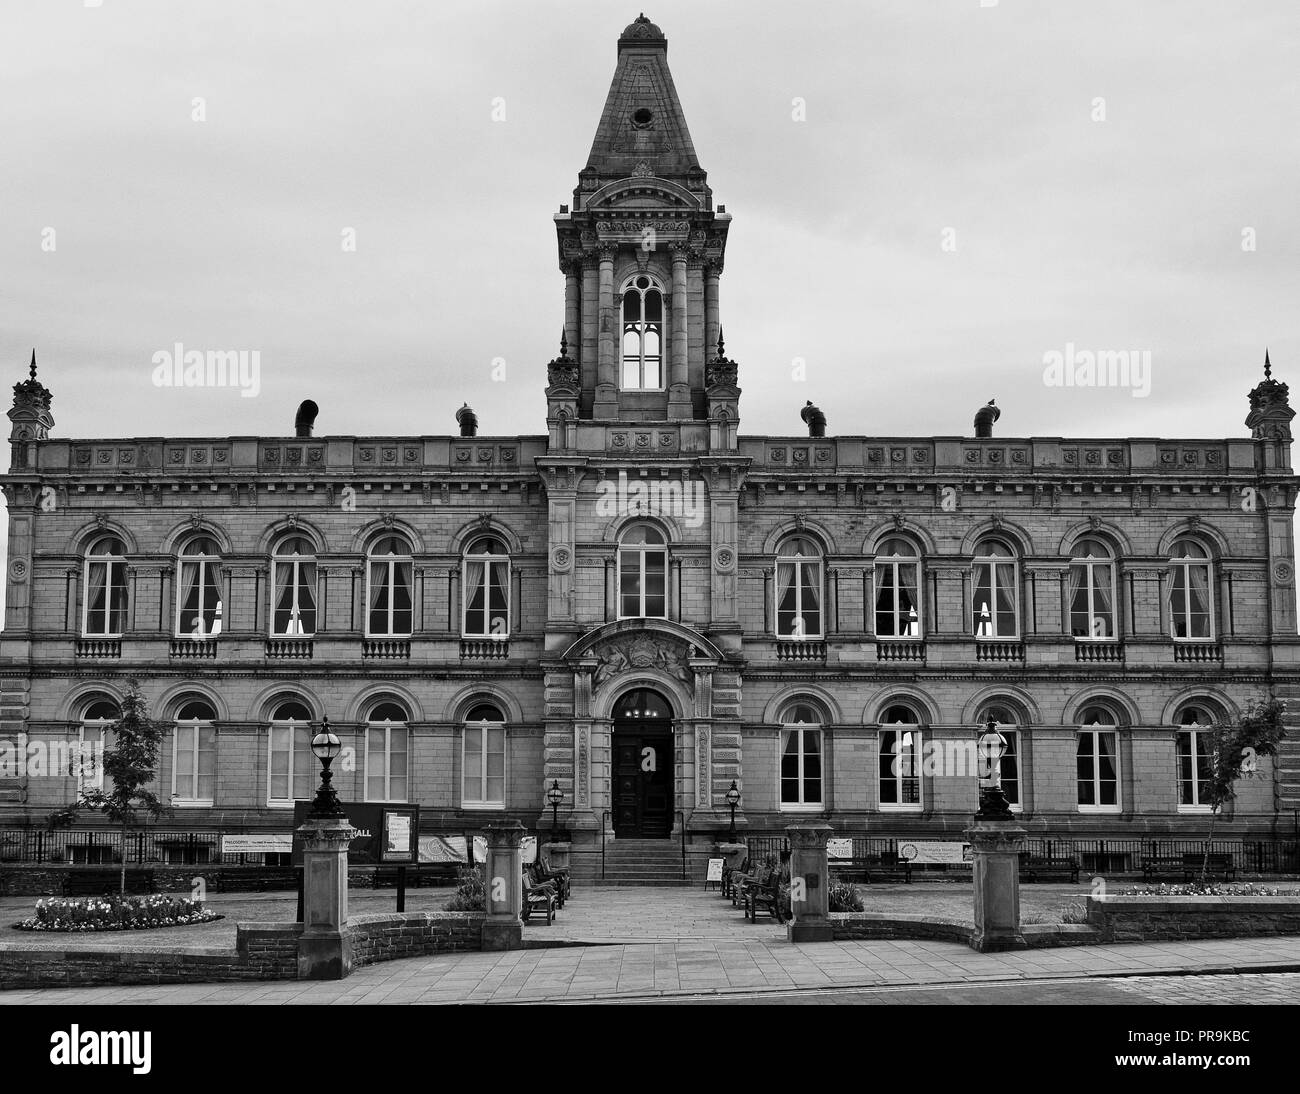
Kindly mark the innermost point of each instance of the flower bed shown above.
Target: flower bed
(116, 913)
(1210, 889)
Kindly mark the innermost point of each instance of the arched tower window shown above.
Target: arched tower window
(642, 327)
(388, 588)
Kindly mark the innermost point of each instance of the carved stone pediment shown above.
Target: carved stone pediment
(640, 652)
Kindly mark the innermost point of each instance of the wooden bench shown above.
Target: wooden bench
(740, 882)
(765, 894)
(559, 881)
(1046, 867)
(729, 875)
(1189, 864)
(539, 897)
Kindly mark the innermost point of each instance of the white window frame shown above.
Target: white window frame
(1184, 566)
(209, 566)
(894, 563)
(798, 561)
(99, 726)
(641, 550)
(1201, 733)
(488, 560)
(993, 562)
(195, 761)
(628, 286)
(1089, 563)
(1095, 730)
(389, 727)
(803, 729)
(883, 774)
(295, 756)
(487, 728)
(392, 562)
(296, 562)
(111, 563)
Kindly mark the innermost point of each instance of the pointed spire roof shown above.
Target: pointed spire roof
(642, 124)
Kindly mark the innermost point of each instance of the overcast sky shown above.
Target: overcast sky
(925, 122)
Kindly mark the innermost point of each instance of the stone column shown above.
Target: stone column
(996, 846)
(324, 949)
(504, 927)
(712, 277)
(607, 365)
(572, 308)
(589, 302)
(679, 385)
(808, 881)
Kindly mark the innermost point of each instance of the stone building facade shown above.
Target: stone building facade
(645, 606)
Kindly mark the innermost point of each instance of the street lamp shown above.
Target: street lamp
(733, 800)
(555, 795)
(325, 746)
(991, 746)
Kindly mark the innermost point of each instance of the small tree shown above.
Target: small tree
(1234, 751)
(132, 765)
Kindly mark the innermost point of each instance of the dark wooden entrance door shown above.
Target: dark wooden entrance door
(643, 784)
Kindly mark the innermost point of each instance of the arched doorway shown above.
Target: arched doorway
(643, 765)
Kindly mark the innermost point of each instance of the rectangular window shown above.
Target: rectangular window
(194, 764)
(1190, 606)
(291, 764)
(87, 761)
(386, 764)
(1090, 590)
(198, 599)
(487, 598)
(799, 599)
(643, 584)
(105, 615)
(294, 613)
(1194, 770)
(801, 768)
(898, 607)
(483, 780)
(1097, 770)
(900, 770)
(995, 606)
(390, 598)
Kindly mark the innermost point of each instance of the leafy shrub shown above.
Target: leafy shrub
(116, 913)
(843, 897)
(1074, 912)
(471, 891)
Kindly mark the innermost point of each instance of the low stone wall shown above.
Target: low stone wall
(51, 880)
(1167, 918)
(386, 937)
(860, 926)
(263, 951)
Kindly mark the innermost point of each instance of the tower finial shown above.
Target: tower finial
(721, 353)
(564, 343)
(33, 368)
(1268, 365)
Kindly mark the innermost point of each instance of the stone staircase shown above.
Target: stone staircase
(635, 862)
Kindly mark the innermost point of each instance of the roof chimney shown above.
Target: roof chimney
(302, 424)
(815, 418)
(468, 421)
(984, 419)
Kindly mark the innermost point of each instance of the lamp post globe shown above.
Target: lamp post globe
(555, 796)
(733, 800)
(325, 746)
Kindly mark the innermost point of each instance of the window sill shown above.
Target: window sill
(788, 807)
(483, 807)
(1195, 810)
(179, 803)
(885, 807)
(1100, 809)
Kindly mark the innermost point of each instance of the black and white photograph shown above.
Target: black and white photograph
(501, 511)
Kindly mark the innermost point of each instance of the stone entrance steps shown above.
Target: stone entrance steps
(635, 862)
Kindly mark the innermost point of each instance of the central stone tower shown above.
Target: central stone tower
(641, 252)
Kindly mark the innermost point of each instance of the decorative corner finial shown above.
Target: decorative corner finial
(1268, 365)
(564, 343)
(721, 353)
(33, 367)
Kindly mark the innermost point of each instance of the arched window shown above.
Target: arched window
(95, 739)
(900, 759)
(898, 585)
(194, 756)
(1097, 761)
(1091, 590)
(801, 756)
(1005, 719)
(485, 582)
(798, 588)
(642, 327)
(483, 758)
(1195, 756)
(642, 573)
(387, 743)
(104, 610)
(996, 601)
(293, 581)
(389, 588)
(198, 588)
(1191, 600)
(291, 765)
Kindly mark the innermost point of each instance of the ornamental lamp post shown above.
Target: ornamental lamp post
(733, 800)
(325, 746)
(991, 746)
(555, 795)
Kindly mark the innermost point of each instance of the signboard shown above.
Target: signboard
(919, 851)
(270, 843)
(839, 848)
(442, 850)
(715, 871)
(384, 832)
